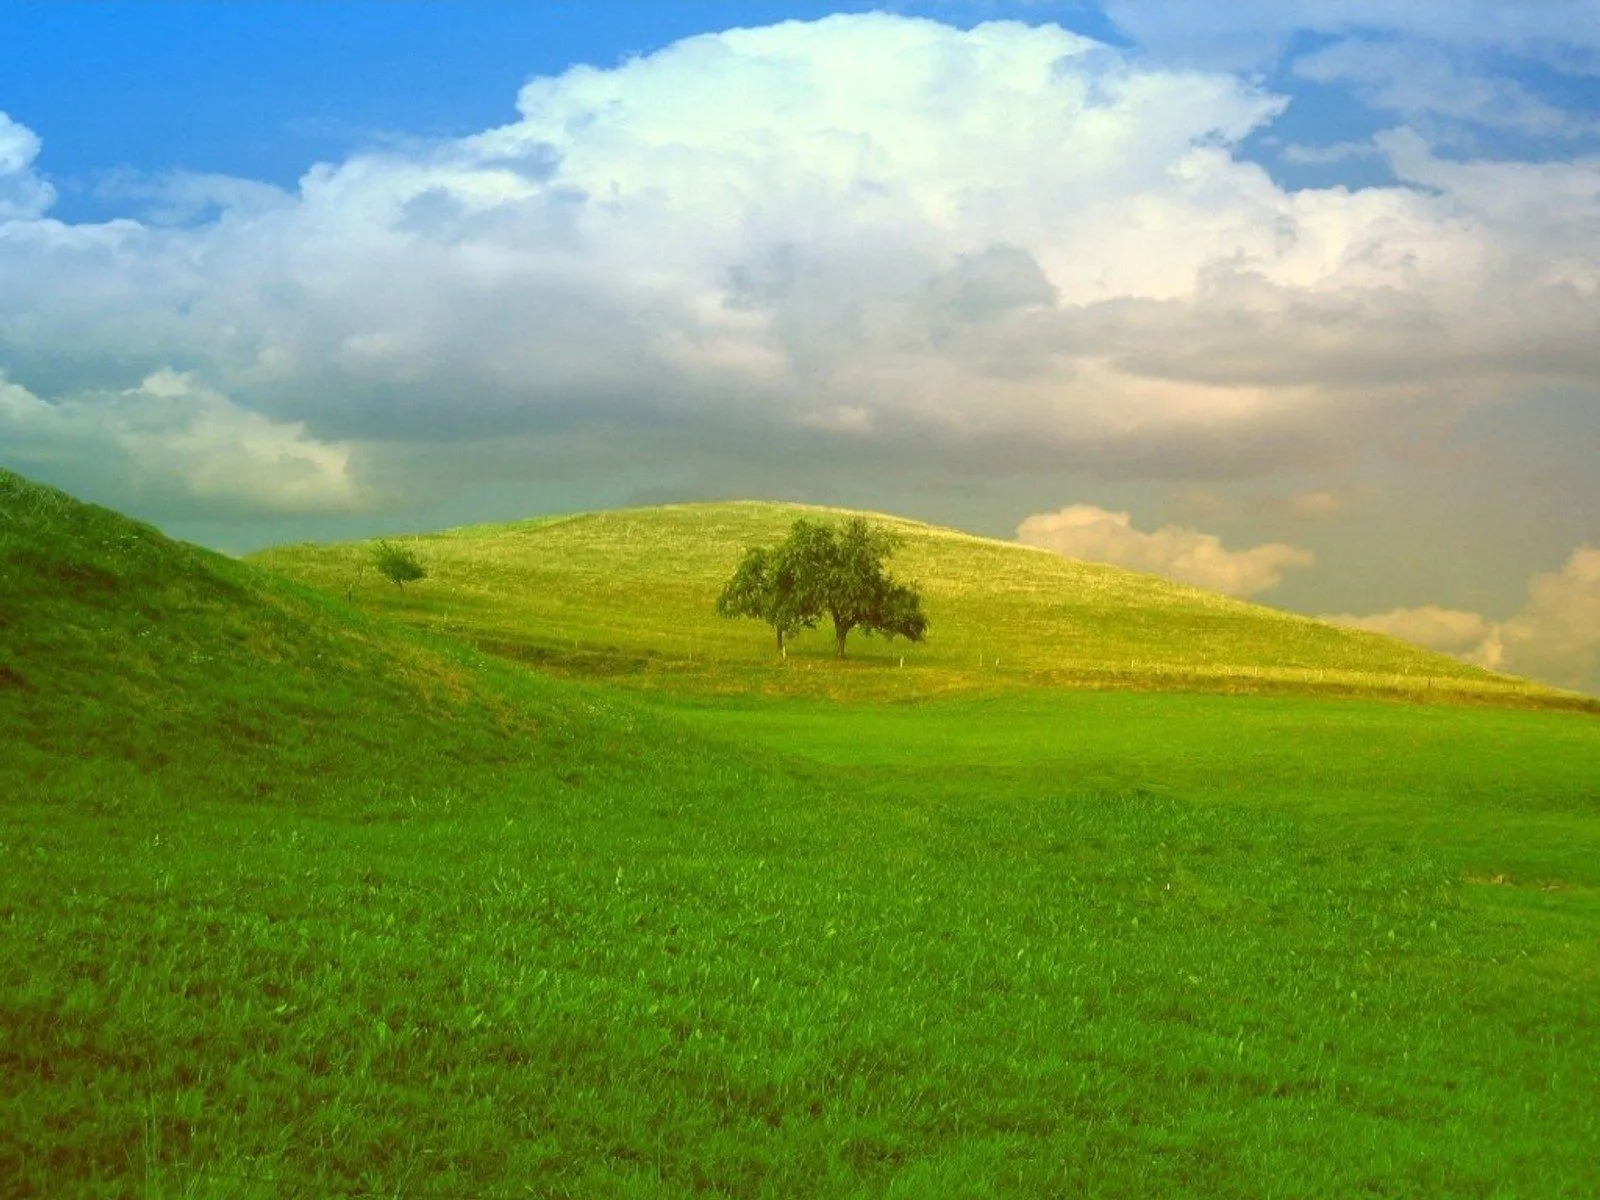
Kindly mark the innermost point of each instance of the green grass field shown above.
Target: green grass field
(628, 596)
(300, 899)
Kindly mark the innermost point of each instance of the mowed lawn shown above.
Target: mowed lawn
(296, 900)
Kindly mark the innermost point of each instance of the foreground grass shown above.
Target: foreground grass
(628, 595)
(297, 902)
(707, 972)
(1483, 785)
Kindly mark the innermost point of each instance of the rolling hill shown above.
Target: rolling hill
(299, 899)
(628, 595)
(123, 652)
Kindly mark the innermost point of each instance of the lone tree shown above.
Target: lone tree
(763, 587)
(847, 569)
(397, 564)
(820, 570)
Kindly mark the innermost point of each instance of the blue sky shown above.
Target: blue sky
(263, 90)
(159, 85)
(1293, 298)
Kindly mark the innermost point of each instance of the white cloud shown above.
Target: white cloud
(1337, 152)
(1556, 634)
(1419, 82)
(1006, 249)
(1445, 629)
(22, 193)
(1446, 68)
(1086, 532)
(171, 438)
(185, 197)
(1554, 637)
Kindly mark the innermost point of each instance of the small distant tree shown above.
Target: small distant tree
(820, 570)
(397, 564)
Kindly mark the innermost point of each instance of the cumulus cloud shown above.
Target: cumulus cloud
(1000, 249)
(1556, 634)
(171, 438)
(1554, 637)
(1447, 69)
(22, 193)
(1086, 532)
(1445, 629)
(187, 197)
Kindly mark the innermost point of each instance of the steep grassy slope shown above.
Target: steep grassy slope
(298, 901)
(629, 594)
(122, 653)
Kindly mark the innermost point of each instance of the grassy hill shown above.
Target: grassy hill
(629, 594)
(296, 899)
(127, 658)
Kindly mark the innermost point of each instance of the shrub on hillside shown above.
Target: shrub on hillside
(397, 564)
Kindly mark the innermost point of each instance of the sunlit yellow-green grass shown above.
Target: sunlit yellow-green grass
(629, 595)
(297, 900)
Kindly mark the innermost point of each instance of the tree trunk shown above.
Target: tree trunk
(780, 639)
(840, 632)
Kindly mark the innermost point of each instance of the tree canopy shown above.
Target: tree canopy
(763, 587)
(397, 564)
(821, 570)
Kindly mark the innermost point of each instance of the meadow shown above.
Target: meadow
(499, 886)
(627, 596)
